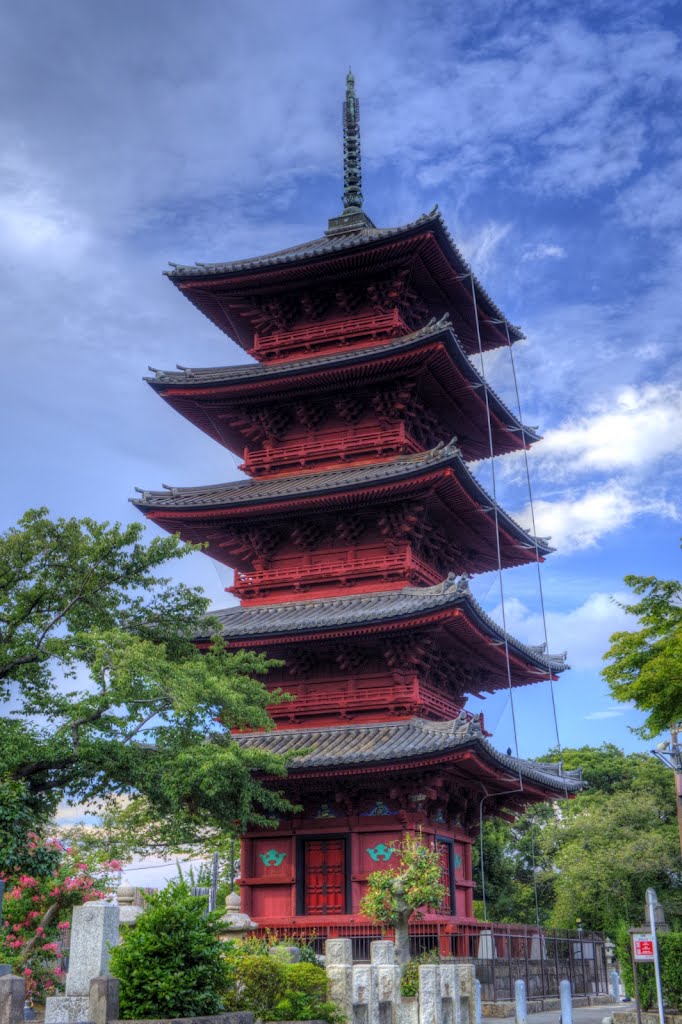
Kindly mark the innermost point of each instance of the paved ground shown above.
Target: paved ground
(581, 1015)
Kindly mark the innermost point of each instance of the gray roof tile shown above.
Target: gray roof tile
(187, 377)
(349, 746)
(329, 613)
(243, 493)
(331, 244)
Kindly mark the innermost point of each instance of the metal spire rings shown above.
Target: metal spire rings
(352, 169)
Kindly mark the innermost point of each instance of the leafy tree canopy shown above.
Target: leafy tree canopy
(645, 665)
(109, 694)
(592, 858)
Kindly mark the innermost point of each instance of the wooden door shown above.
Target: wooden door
(324, 865)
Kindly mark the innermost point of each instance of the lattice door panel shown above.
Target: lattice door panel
(325, 876)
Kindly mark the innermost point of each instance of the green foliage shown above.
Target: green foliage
(18, 854)
(594, 856)
(259, 982)
(646, 664)
(415, 883)
(409, 981)
(670, 956)
(41, 891)
(394, 894)
(671, 968)
(275, 990)
(171, 964)
(149, 715)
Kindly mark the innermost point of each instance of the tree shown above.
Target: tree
(594, 855)
(646, 664)
(41, 893)
(110, 693)
(393, 895)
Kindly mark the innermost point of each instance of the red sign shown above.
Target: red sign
(643, 946)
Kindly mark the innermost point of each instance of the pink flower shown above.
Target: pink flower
(58, 971)
(35, 899)
(32, 914)
(51, 947)
(115, 865)
(40, 930)
(82, 867)
(56, 891)
(27, 972)
(64, 924)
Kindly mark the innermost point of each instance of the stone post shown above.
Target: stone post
(614, 978)
(103, 1000)
(521, 1006)
(360, 994)
(339, 967)
(566, 1002)
(465, 993)
(12, 999)
(94, 930)
(478, 1001)
(430, 1004)
(385, 980)
(449, 991)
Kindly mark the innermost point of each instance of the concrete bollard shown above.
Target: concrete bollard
(521, 1006)
(103, 999)
(478, 1001)
(614, 979)
(430, 1003)
(12, 998)
(360, 998)
(339, 961)
(566, 1002)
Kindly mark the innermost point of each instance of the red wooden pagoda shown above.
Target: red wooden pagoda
(352, 540)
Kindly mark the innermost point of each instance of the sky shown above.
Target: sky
(137, 134)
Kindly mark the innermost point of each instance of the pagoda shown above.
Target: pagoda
(352, 539)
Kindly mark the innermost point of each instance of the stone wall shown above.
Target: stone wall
(370, 993)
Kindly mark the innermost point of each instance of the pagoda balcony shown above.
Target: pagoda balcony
(387, 568)
(330, 449)
(330, 704)
(365, 327)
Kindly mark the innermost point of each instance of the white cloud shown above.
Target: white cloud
(635, 430)
(543, 251)
(576, 522)
(654, 201)
(481, 247)
(613, 712)
(583, 631)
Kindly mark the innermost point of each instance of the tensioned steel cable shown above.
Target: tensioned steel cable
(537, 554)
(497, 524)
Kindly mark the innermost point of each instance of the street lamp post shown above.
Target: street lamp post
(670, 754)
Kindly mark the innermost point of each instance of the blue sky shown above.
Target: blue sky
(134, 134)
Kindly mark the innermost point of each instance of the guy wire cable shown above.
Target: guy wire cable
(497, 524)
(537, 555)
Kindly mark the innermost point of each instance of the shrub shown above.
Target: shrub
(171, 964)
(671, 968)
(305, 995)
(259, 982)
(409, 982)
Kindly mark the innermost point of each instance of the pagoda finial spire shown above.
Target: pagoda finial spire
(353, 218)
(352, 167)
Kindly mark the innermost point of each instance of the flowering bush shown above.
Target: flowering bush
(37, 911)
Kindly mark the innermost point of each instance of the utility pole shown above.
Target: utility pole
(670, 754)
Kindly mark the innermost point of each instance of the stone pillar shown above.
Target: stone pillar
(12, 999)
(385, 981)
(478, 1001)
(103, 1000)
(361, 994)
(449, 991)
(465, 993)
(94, 930)
(339, 967)
(614, 979)
(430, 1003)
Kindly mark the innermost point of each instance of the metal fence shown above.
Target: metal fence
(501, 953)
